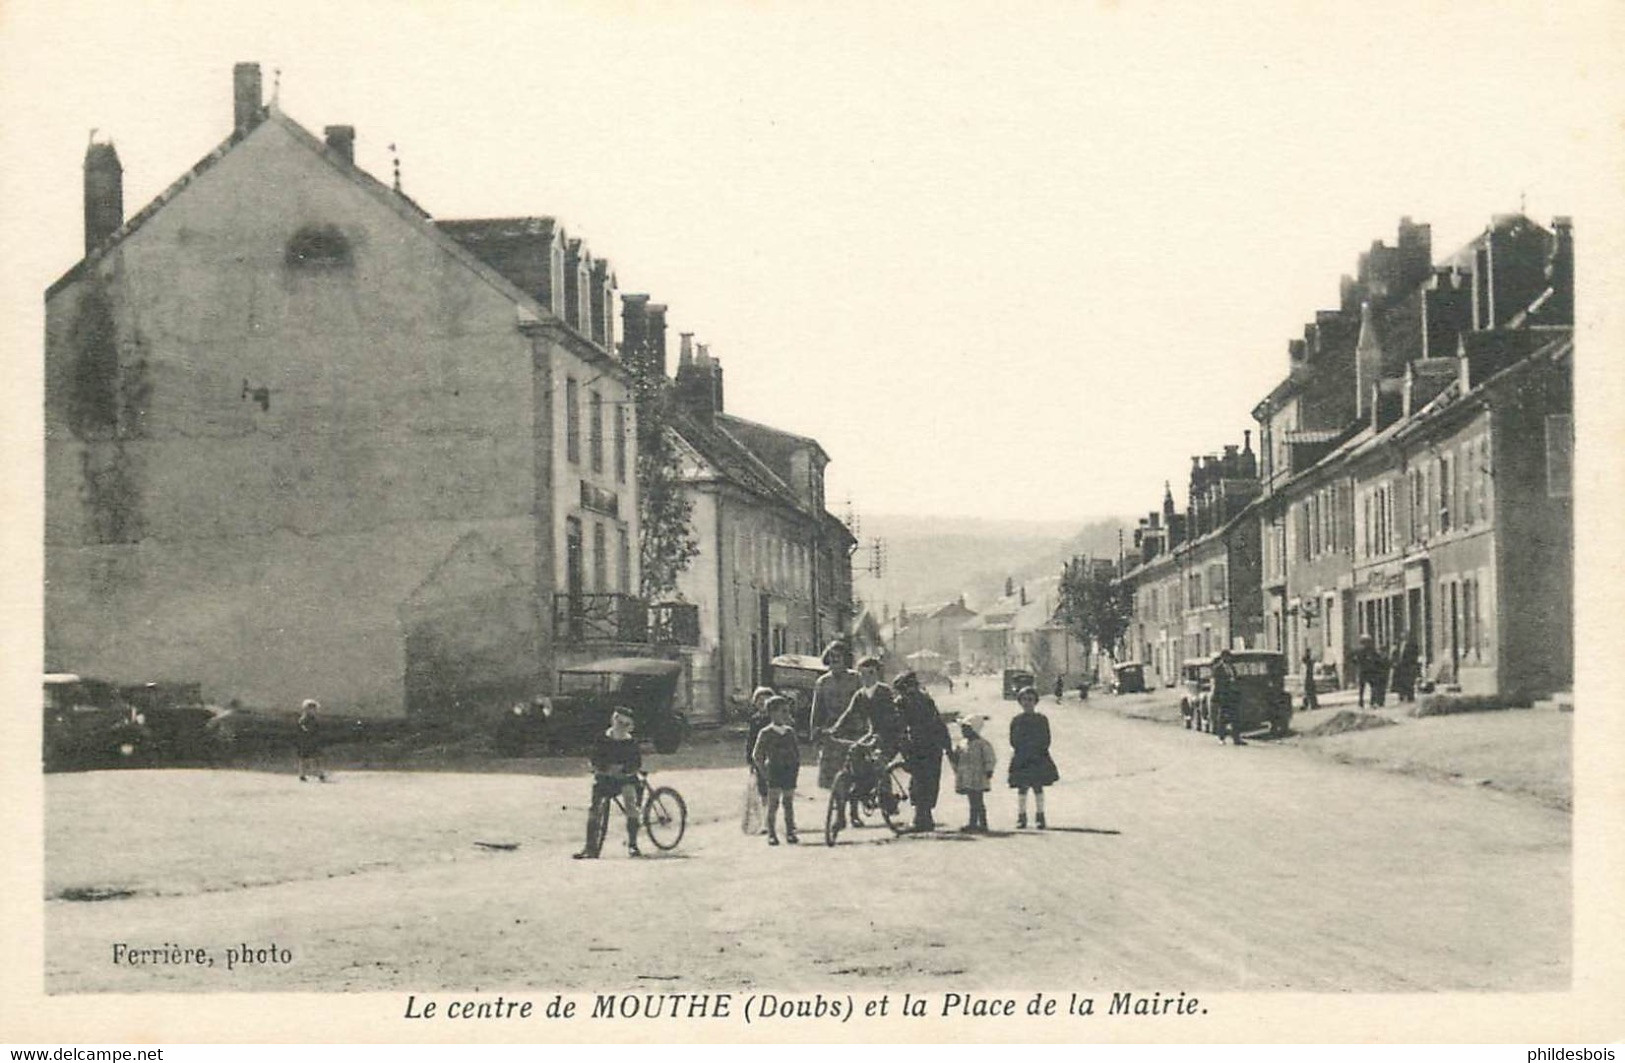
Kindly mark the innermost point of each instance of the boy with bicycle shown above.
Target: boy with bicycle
(616, 762)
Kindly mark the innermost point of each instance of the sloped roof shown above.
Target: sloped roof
(521, 249)
(732, 459)
(268, 113)
(774, 446)
(951, 610)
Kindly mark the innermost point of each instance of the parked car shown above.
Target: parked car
(1196, 675)
(1128, 678)
(88, 725)
(175, 716)
(1017, 679)
(793, 675)
(1262, 699)
(572, 719)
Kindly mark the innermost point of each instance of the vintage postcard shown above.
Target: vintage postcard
(722, 522)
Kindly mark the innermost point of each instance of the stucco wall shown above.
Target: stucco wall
(277, 546)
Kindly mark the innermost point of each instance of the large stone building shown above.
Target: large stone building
(1411, 503)
(774, 570)
(302, 440)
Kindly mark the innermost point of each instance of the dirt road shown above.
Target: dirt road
(1172, 861)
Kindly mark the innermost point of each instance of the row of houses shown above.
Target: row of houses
(1021, 629)
(304, 439)
(1413, 480)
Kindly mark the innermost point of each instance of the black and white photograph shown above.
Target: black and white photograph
(720, 521)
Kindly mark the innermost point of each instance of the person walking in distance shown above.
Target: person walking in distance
(924, 744)
(1311, 699)
(778, 763)
(308, 741)
(1225, 697)
(1367, 665)
(1060, 688)
(1030, 765)
(1407, 667)
(973, 771)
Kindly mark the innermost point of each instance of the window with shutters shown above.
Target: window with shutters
(1447, 490)
(595, 430)
(572, 420)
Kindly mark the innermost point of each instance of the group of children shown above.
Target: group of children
(772, 749)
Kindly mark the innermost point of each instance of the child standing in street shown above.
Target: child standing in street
(1030, 765)
(778, 762)
(973, 771)
(308, 742)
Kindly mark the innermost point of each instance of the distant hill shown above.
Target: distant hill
(934, 559)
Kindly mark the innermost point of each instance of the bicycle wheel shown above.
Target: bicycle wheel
(833, 814)
(599, 824)
(665, 816)
(892, 795)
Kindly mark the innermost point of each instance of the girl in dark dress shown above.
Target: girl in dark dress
(1030, 765)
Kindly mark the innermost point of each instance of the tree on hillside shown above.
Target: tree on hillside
(666, 539)
(1095, 608)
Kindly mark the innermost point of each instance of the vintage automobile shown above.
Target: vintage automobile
(175, 716)
(1262, 698)
(88, 725)
(572, 719)
(793, 675)
(1196, 676)
(1128, 678)
(1016, 680)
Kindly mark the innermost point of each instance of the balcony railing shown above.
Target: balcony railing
(674, 624)
(581, 619)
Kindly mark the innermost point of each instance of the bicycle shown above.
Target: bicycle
(888, 793)
(662, 811)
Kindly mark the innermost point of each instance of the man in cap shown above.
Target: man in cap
(925, 742)
(1225, 697)
(616, 762)
(1368, 670)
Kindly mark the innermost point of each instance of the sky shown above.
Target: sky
(1002, 260)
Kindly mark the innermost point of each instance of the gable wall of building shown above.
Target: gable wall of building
(303, 441)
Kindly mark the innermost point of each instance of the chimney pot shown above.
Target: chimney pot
(341, 140)
(246, 98)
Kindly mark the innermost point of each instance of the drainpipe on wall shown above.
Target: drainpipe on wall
(542, 494)
(721, 670)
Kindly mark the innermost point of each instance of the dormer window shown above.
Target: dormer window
(556, 289)
(584, 315)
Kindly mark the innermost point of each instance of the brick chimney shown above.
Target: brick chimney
(246, 100)
(104, 195)
(697, 380)
(1367, 360)
(657, 336)
(634, 328)
(341, 141)
(716, 379)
